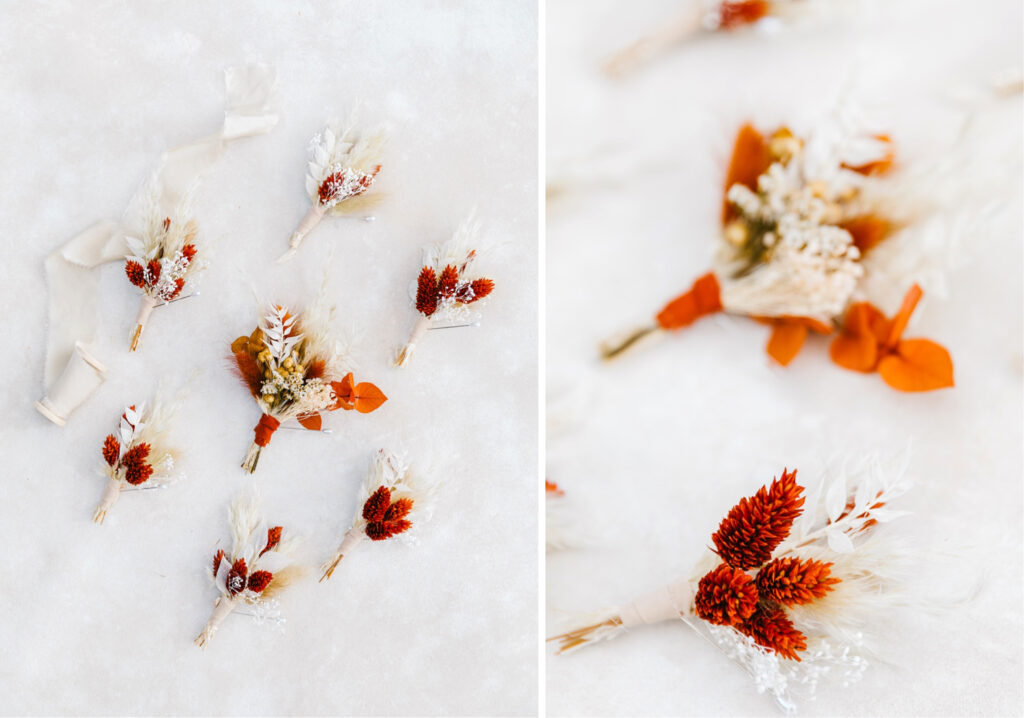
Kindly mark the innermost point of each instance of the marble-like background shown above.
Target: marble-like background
(655, 448)
(100, 620)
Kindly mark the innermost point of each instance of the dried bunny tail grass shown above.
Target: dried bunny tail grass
(244, 518)
(588, 629)
(282, 579)
(466, 241)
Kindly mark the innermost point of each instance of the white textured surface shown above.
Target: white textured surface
(669, 437)
(100, 620)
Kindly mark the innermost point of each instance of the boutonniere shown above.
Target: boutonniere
(295, 371)
(798, 220)
(139, 456)
(393, 501)
(448, 287)
(257, 568)
(343, 165)
(790, 591)
(165, 262)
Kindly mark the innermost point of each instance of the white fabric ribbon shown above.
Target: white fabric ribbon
(71, 372)
(668, 603)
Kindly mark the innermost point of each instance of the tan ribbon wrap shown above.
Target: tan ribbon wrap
(667, 603)
(71, 372)
(422, 324)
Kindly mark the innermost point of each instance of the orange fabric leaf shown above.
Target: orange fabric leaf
(368, 397)
(750, 159)
(785, 341)
(313, 422)
(867, 230)
(703, 298)
(917, 365)
(857, 346)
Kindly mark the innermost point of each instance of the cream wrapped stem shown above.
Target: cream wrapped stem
(353, 537)
(111, 494)
(418, 331)
(222, 608)
(307, 225)
(146, 306)
(667, 603)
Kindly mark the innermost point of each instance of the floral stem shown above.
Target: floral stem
(110, 496)
(252, 457)
(610, 351)
(222, 608)
(145, 309)
(422, 324)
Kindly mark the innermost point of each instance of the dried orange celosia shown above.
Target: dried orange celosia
(725, 596)
(792, 581)
(771, 628)
(259, 580)
(385, 518)
(757, 525)
(273, 539)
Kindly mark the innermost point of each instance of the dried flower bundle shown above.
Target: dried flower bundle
(343, 164)
(138, 455)
(393, 500)
(788, 590)
(294, 371)
(257, 568)
(165, 260)
(798, 219)
(447, 286)
(697, 18)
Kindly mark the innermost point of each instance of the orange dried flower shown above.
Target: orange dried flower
(135, 273)
(260, 580)
(427, 292)
(771, 628)
(703, 298)
(448, 282)
(380, 530)
(757, 525)
(477, 289)
(236, 577)
(153, 270)
(136, 470)
(179, 284)
(273, 539)
(726, 596)
(398, 510)
(167, 223)
(790, 581)
(111, 449)
(551, 488)
(735, 13)
(377, 505)
(188, 252)
(217, 558)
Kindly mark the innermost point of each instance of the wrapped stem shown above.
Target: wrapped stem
(252, 457)
(353, 538)
(110, 496)
(307, 225)
(145, 309)
(668, 603)
(222, 608)
(417, 334)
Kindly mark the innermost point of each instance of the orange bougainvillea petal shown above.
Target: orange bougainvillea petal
(786, 340)
(313, 422)
(917, 365)
(867, 230)
(703, 298)
(368, 397)
(856, 348)
(899, 321)
(879, 166)
(750, 159)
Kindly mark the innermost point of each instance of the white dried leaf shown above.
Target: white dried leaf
(835, 500)
(839, 542)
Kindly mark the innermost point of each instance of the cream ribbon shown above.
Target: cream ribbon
(667, 603)
(72, 372)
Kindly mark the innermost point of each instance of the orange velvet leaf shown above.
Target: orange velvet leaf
(750, 159)
(368, 397)
(313, 422)
(857, 347)
(867, 230)
(786, 340)
(917, 365)
(703, 298)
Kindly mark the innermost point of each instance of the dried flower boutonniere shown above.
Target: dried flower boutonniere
(447, 286)
(164, 261)
(393, 500)
(697, 18)
(138, 456)
(798, 222)
(789, 600)
(343, 165)
(295, 371)
(257, 568)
